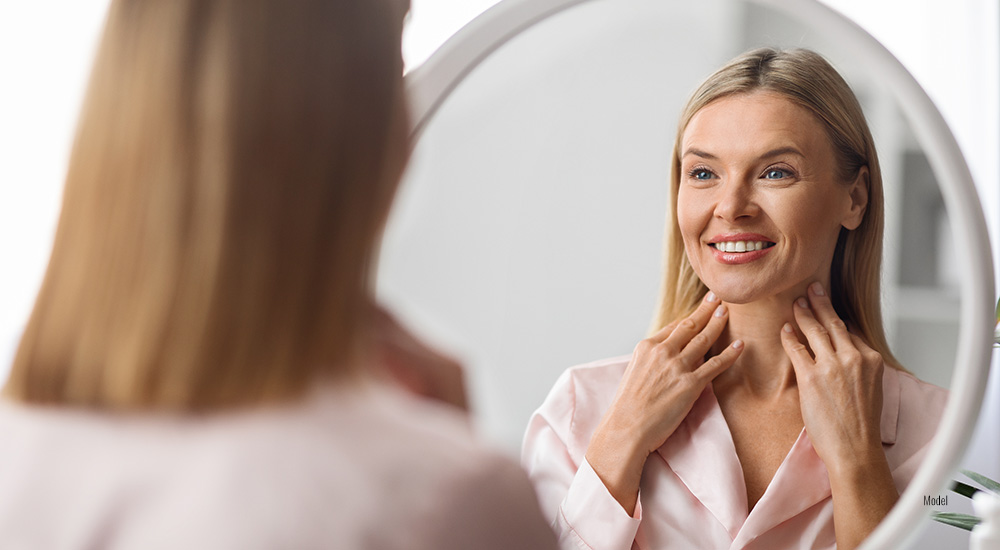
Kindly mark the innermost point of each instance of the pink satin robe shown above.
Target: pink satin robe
(348, 468)
(692, 493)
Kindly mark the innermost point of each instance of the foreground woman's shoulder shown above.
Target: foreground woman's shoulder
(445, 487)
(344, 468)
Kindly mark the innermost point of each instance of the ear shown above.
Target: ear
(858, 192)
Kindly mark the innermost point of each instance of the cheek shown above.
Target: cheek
(693, 207)
(688, 220)
(810, 226)
(691, 221)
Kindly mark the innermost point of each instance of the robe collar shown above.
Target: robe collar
(702, 455)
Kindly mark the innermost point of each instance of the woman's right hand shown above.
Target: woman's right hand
(665, 376)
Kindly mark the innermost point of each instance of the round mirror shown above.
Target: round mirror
(527, 236)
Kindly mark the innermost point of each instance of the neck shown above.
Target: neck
(763, 369)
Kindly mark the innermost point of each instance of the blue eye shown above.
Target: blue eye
(775, 174)
(700, 174)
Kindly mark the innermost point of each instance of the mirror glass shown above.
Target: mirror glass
(527, 236)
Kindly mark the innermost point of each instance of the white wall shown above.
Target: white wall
(45, 52)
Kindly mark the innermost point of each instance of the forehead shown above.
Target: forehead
(748, 124)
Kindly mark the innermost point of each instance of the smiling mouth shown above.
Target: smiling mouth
(741, 246)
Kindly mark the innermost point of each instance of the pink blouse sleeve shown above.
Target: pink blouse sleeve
(573, 498)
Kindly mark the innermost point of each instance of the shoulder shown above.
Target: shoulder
(597, 377)
(585, 386)
(387, 454)
(917, 407)
(578, 400)
(443, 486)
(921, 403)
(325, 471)
(491, 506)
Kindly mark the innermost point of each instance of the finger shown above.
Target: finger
(706, 303)
(827, 316)
(795, 350)
(867, 351)
(815, 333)
(859, 343)
(716, 365)
(693, 352)
(691, 325)
(662, 334)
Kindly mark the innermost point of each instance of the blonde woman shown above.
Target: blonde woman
(766, 410)
(204, 366)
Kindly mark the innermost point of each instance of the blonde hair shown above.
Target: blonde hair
(809, 81)
(232, 169)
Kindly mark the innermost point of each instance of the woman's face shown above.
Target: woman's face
(759, 204)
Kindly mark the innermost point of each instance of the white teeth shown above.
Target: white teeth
(739, 246)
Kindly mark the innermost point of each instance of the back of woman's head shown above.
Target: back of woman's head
(808, 80)
(233, 165)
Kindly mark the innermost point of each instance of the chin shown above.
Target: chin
(736, 297)
(742, 291)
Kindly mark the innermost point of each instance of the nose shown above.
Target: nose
(735, 201)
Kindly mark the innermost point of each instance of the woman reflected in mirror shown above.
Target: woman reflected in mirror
(765, 410)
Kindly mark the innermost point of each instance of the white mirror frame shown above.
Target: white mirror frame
(431, 84)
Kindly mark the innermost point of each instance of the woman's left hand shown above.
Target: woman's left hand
(840, 395)
(840, 383)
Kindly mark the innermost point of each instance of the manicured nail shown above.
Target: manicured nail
(710, 297)
(817, 289)
(720, 311)
(803, 303)
(738, 344)
(787, 328)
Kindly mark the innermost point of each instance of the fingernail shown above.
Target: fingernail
(802, 303)
(710, 297)
(787, 328)
(720, 311)
(738, 344)
(817, 289)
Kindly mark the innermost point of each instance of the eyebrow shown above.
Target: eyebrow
(770, 154)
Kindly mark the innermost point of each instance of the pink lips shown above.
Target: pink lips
(735, 258)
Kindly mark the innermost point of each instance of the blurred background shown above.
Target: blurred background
(527, 237)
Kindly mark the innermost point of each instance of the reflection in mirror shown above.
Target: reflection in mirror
(536, 183)
(528, 233)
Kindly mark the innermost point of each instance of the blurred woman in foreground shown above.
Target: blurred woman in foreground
(204, 366)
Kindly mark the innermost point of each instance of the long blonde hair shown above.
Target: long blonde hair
(809, 81)
(232, 169)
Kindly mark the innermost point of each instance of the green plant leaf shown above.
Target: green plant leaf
(962, 521)
(986, 482)
(963, 489)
